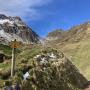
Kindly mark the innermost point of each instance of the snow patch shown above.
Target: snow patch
(37, 56)
(26, 75)
(45, 58)
(9, 37)
(52, 56)
(6, 21)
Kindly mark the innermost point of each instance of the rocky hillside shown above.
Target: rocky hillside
(75, 44)
(14, 28)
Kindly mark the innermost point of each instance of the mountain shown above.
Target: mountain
(75, 44)
(74, 34)
(14, 28)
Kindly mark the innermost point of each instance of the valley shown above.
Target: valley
(59, 62)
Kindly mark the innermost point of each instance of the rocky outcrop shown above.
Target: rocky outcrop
(56, 72)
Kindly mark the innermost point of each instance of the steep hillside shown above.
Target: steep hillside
(76, 46)
(14, 28)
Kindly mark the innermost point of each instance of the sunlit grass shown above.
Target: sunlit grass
(79, 54)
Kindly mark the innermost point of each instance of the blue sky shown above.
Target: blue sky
(44, 16)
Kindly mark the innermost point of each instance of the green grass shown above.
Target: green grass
(5, 65)
(29, 53)
(5, 49)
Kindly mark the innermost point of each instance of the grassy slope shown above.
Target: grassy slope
(79, 54)
(26, 57)
(22, 55)
(5, 49)
(52, 80)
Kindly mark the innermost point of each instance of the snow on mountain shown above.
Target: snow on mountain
(14, 28)
(6, 21)
(9, 37)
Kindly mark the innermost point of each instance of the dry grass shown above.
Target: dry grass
(79, 54)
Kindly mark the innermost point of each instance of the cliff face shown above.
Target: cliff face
(14, 28)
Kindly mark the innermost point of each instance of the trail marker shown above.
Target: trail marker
(14, 44)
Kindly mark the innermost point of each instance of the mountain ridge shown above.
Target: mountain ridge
(73, 34)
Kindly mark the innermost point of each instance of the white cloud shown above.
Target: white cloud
(21, 7)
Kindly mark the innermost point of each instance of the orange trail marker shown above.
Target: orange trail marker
(14, 44)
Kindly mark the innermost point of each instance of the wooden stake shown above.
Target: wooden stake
(14, 44)
(13, 63)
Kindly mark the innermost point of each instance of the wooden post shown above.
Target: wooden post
(14, 44)
(13, 63)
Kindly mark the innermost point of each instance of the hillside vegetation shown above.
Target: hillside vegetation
(54, 73)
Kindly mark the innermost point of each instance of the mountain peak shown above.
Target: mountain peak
(2, 16)
(56, 32)
(14, 28)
